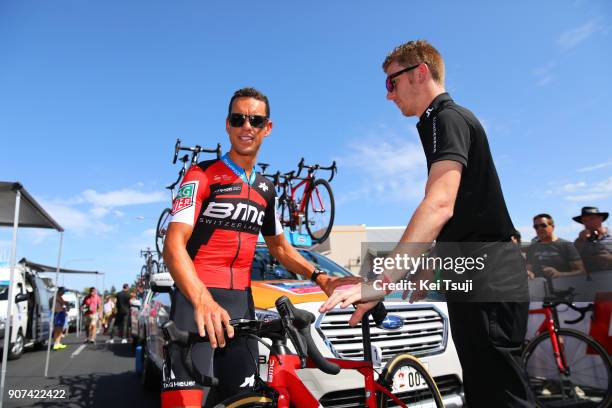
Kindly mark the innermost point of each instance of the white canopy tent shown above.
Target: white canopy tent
(19, 209)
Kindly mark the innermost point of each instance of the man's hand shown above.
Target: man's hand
(210, 319)
(329, 284)
(530, 274)
(354, 294)
(551, 272)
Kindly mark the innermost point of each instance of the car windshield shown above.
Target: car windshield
(265, 267)
(3, 292)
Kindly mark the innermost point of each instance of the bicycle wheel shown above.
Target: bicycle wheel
(247, 399)
(154, 267)
(161, 230)
(407, 378)
(319, 211)
(588, 382)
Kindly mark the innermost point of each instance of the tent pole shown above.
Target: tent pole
(9, 314)
(52, 322)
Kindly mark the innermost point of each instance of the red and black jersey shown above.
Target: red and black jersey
(227, 215)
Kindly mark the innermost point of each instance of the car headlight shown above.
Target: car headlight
(266, 315)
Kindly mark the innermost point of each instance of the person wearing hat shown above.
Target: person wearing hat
(594, 243)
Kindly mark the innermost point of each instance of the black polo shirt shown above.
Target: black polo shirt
(451, 132)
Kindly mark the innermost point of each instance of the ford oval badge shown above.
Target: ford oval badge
(392, 322)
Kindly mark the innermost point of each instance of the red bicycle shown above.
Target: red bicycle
(566, 367)
(310, 202)
(285, 389)
(164, 218)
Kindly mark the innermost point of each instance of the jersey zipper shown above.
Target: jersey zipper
(239, 242)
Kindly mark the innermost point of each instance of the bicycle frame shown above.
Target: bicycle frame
(550, 325)
(282, 378)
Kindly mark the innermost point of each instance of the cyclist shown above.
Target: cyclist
(463, 203)
(220, 209)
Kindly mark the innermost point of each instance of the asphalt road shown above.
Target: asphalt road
(100, 375)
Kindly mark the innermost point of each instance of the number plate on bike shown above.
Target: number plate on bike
(407, 379)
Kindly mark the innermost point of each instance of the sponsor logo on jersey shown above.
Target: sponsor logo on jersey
(262, 186)
(435, 135)
(428, 111)
(185, 197)
(219, 189)
(237, 216)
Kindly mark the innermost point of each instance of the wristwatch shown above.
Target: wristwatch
(316, 273)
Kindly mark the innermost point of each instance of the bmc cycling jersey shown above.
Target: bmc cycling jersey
(227, 212)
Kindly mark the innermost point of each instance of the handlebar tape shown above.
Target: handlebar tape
(379, 313)
(302, 320)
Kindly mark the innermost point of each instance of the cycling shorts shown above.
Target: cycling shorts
(234, 365)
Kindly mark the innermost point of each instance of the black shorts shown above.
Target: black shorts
(235, 365)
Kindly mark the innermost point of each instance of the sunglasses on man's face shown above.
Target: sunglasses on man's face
(538, 226)
(257, 121)
(390, 83)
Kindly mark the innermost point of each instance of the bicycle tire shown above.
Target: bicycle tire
(319, 231)
(154, 267)
(161, 230)
(247, 399)
(421, 397)
(544, 386)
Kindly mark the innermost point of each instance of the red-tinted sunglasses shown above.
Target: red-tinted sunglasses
(390, 83)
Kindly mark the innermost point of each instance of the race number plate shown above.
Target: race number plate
(407, 379)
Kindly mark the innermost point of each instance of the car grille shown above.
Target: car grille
(448, 385)
(423, 333)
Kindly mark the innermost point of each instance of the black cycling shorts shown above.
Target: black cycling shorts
(234, 365)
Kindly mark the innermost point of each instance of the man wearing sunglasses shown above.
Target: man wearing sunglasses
(550, 256)
(463, 203)
(220, 209)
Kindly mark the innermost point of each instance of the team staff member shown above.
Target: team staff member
(219, 211)
(463, 203)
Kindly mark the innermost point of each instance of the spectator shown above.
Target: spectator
(92, 312)
(134, 308)
(60, 318)
(594, 243)
(121, 316)
(109, 308)
(550, 256)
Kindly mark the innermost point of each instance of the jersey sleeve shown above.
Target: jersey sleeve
(271, 225)
(451, 137)
(190, 196)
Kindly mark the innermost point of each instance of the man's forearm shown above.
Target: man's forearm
(424, 226)
(183, 272)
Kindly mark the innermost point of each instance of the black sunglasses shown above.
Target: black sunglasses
(390, 83)
(257, 121)
(538, 226)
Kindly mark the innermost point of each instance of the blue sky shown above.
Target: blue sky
(94, 94)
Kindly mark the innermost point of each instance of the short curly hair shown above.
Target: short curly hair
(249, 93)
(417, 52)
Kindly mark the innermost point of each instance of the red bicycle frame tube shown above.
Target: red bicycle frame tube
(548, 325)
(283, 378)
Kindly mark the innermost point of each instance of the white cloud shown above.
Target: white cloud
(595, 167)
(545, 74)
(118, 213)
(123, 197)
(391, 169)
(593, 191)
(99, 212)
(73, 219)
(575, 36)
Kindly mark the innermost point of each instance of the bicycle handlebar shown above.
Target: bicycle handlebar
(315, 167)
(293, 323)
(195, 151)
(566, 297)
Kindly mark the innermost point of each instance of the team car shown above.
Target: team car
(421, 329)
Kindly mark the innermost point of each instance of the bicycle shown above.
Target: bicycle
(310, 202)
(284, 388)
(164, 218)
(150, 267)
(566, 366)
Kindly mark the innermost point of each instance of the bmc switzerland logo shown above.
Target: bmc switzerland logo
(184, 198)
